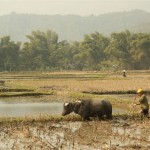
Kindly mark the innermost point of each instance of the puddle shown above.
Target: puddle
(25, 109)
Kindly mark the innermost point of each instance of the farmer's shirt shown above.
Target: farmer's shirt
(144, 102)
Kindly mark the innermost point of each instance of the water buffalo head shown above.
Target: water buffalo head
(69, 107)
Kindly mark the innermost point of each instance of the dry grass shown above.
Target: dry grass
(83, 85)
(72, 84)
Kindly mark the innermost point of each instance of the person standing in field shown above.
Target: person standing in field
(124, 73)
(142, 100)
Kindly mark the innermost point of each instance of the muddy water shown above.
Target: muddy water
(25, 109)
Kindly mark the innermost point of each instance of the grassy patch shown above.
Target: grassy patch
(14, 90)
(46, 118)
(78, 95)
(18, 94)
(39, 118)
(113, 92)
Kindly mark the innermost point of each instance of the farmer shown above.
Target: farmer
(124, 73)
(142, 100)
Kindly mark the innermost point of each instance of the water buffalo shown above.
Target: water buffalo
(89, 108)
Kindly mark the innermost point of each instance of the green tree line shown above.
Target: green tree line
(44, 51)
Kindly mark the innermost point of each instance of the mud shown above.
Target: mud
(117, 134)
(124, 132)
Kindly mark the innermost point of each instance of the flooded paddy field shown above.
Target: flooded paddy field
(13, 108)
(34, 121)
(32, 109)
(124, 131)
(118, 134)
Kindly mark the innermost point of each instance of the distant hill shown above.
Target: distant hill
(73, 27)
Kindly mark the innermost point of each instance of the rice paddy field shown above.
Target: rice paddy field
(31, 104)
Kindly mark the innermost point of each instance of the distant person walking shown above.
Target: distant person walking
(124, 73)
(142, 100)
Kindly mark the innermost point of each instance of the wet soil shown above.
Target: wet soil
(117, 134)
(124, 132)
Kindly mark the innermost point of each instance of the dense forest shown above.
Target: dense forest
(44, 51)
(74, 27)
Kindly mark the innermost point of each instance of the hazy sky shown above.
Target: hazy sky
(79, 7)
